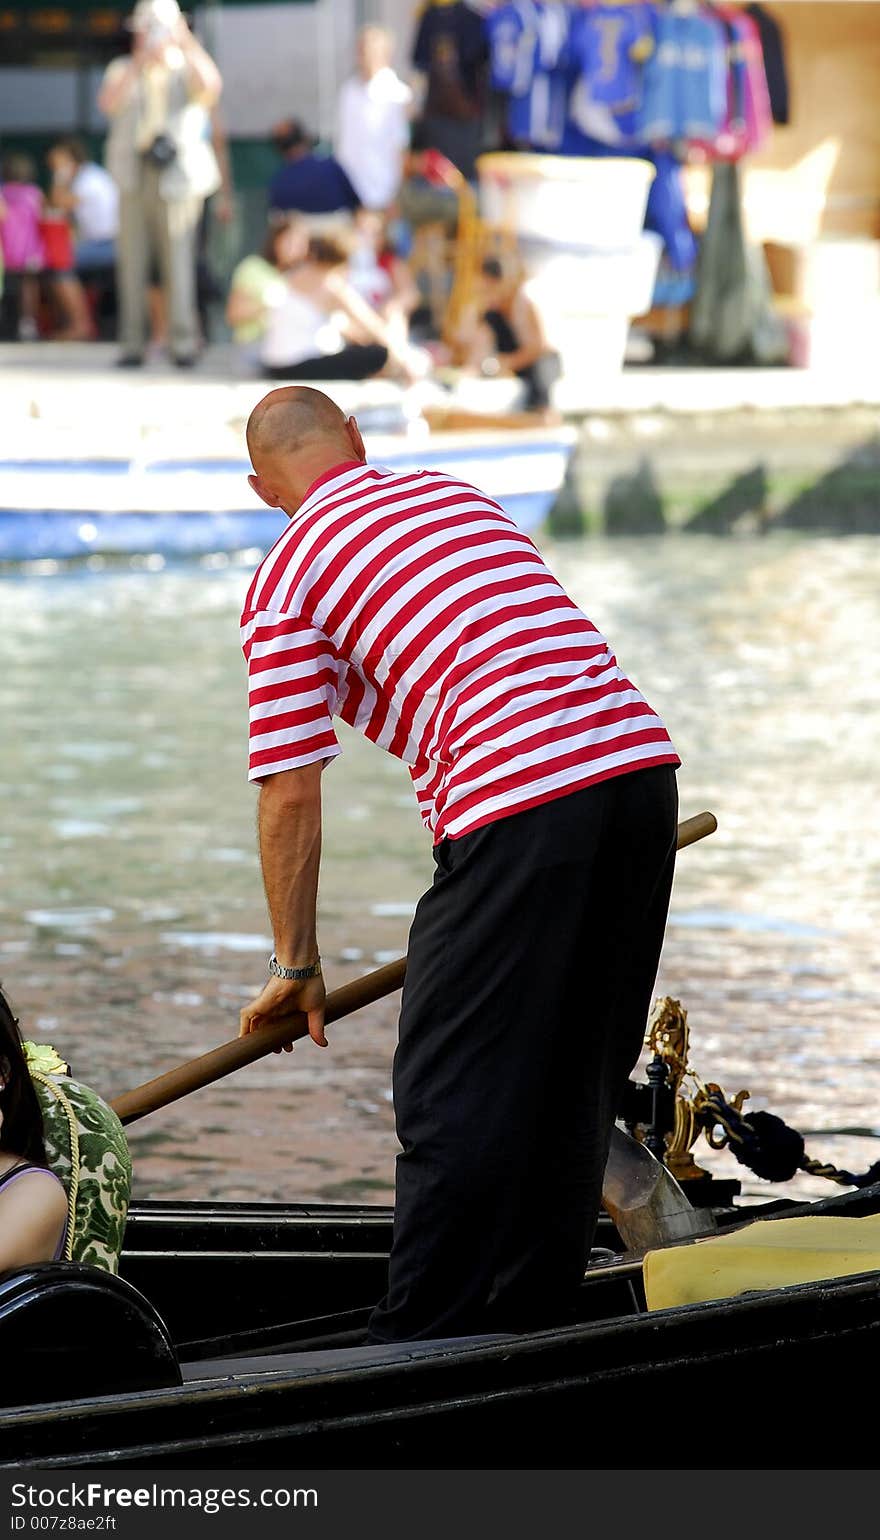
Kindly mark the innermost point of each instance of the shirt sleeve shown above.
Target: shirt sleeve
(293, 684)
(259, 280)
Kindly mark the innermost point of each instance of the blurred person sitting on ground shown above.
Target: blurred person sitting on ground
(21, 211)
(159, 152)
(257, 285)
(502, 334)
(380, 275)
(33, 1200)
(309, 335)
(372, 121)
(307, 183)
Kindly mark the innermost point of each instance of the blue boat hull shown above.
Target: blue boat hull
(56, 534)
(65, 510)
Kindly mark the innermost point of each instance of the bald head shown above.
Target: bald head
(289, 420)
(295, 435)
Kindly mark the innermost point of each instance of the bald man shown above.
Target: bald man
(409, 605)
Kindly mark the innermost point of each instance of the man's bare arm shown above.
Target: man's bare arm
(120, 79)
(290, 855)
(204, 77)
(289, 824)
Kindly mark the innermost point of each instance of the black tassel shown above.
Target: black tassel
(769, 1147)
(762, 1141)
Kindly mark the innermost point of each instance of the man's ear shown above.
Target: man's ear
(263, 492)
(357, 442)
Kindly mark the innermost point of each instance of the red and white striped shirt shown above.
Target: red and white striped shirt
(410, 605)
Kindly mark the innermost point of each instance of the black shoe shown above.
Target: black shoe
(130, 361)
(185, 361)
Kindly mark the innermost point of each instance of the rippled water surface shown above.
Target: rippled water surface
(132, 923)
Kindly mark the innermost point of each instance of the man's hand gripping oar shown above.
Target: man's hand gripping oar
(642, 1197)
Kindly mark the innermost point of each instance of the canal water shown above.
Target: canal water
(132, 923)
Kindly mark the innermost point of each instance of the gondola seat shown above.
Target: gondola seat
(68, 1330)
(768, 1254)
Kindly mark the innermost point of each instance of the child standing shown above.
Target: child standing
(21, 209)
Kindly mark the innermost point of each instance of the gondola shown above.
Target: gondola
(235, 1334)
(234, 1337)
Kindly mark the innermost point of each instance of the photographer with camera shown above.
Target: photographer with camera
(159, 153)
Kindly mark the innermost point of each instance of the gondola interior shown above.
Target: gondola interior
(236, 1335)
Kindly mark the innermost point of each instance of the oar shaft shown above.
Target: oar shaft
(696, 828)
(233, 1055)
(218, 1062)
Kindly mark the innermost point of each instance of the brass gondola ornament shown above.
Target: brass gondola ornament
(668, 1041)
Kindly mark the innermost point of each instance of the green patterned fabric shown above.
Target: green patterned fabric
(104, 1188)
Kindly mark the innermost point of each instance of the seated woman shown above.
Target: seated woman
(258, 283)
(33, 1201)
(308, 335)
(505, 335)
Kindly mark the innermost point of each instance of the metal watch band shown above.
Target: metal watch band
(311, 972)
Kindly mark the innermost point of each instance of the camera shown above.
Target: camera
(158, 34)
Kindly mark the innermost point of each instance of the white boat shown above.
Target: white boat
(64, 508)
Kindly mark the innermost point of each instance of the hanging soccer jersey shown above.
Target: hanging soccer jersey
(748, 120)
(609, 47)
(450, 49)
(512, 37)
(773, 50)
(685, 78)
(730, 141)
(757, 113)
(528, 44)
(628, 74)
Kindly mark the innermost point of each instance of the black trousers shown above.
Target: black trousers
(10, 305)
(357, 361)
(532, 961)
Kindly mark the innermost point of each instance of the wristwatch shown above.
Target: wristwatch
(311, 972)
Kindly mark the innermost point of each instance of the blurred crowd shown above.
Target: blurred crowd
(352, 273)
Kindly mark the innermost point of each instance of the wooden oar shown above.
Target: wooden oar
(218, 1062)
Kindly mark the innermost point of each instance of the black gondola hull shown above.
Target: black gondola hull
(256, 1288)
(736, 1381)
